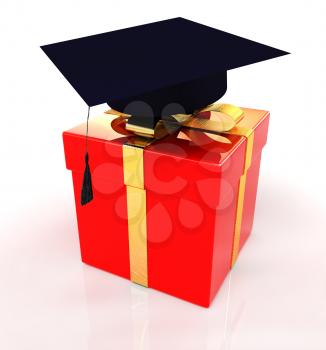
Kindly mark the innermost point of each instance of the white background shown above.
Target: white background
(275, 298)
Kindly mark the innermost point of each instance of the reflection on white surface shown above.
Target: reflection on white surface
(134, 317)
(275, 297)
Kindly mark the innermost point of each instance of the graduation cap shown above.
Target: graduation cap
(155, 70)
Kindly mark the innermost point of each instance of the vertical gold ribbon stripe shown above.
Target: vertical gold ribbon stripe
(133, 168)
(249, 134)
(136, 206)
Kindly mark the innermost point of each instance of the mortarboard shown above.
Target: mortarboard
(155, 70)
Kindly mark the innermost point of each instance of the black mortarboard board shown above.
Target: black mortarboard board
(152, 70)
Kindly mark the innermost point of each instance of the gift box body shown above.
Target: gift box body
(192, 204)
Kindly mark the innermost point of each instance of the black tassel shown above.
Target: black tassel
(87, 189)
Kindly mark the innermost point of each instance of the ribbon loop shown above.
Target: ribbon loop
(212, 120)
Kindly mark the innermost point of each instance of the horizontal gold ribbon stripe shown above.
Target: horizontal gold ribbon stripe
(140, 130)
(221, 123)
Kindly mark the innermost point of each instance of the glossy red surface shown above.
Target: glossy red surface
(191, 194)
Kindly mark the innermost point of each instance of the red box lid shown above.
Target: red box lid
(105, 149)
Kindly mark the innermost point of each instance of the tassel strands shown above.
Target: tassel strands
(87, 188)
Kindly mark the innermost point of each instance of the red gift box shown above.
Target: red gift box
(199, 204)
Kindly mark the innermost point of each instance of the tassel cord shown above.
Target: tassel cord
(87, 188)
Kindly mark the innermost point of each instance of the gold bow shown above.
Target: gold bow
(211, 121)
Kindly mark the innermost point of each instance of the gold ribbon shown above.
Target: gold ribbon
(249, 134)
(215, 121)
(133, 166)
(211, 120)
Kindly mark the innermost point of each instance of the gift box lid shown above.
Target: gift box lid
(105, 148)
